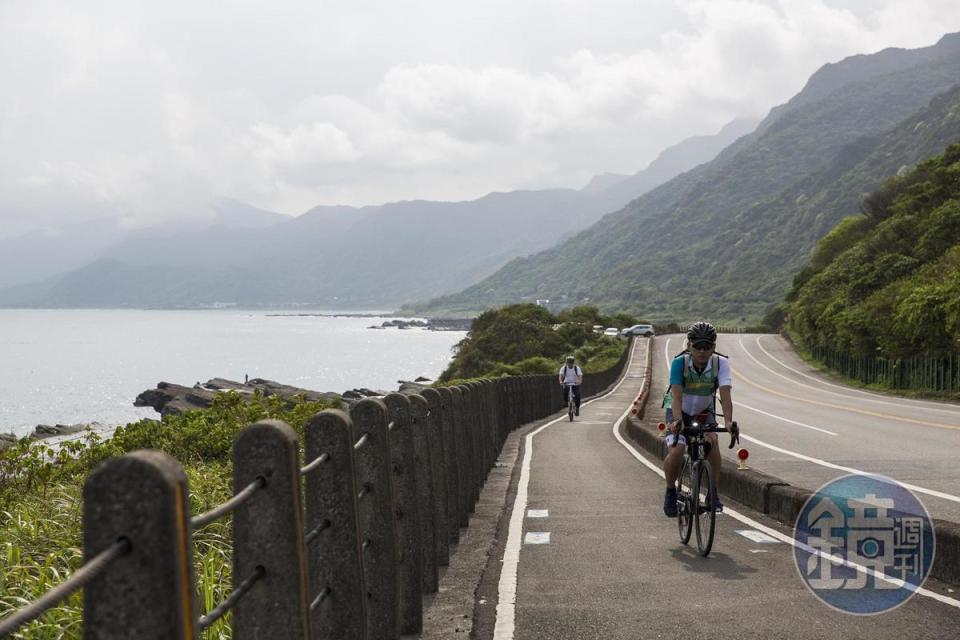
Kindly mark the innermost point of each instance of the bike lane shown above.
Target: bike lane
(597, 559)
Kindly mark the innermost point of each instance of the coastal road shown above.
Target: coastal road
(806, 429)
(589, 554)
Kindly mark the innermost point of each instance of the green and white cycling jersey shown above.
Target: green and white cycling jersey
(699, 387)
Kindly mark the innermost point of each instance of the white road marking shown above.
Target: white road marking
(750, 522)
(781, 418)
(757, 536)
(537, 513)
(537, 537)
(830, 465)
(872, 397)
(507, 587)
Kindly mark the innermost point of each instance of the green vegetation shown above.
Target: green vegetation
(527, 339)
(887, 282)
(41, 537)
(724, 240)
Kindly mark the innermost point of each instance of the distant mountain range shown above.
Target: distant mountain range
(724, 240)
(331, 256)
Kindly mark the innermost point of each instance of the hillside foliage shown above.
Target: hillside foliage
(887, 282)
(527, 339)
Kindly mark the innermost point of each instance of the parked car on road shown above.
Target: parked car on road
(645, 330)
(611, 331)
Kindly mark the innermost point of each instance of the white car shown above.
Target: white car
(645, 330)
(611, 331)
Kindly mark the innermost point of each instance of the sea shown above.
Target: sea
(82, 366)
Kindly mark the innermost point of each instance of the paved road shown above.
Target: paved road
(807, 430)
(614, 567)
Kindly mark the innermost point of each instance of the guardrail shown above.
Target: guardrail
(344, 545)
(940, 373)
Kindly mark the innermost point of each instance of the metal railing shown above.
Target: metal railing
(930, 373)
(344, 546)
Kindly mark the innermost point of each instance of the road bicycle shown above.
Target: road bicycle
(696, 487)
(571, 402)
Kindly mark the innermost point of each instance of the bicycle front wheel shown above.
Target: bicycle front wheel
(685, 501)
(706, 517)
(571, 407)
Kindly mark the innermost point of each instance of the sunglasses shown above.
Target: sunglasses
(702, 346)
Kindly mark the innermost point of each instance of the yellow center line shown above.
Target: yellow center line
(939, 425)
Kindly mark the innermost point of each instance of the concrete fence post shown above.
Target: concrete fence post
(407, 510)
(529, 409)
(436, 399)
(452, 460)
(268, 535)
(419, 419)
(515, 395)
(376, 514)
(461, 435)
(333, 549)
(149, 591)
(490, 411)
(475, 423)
(483, 423)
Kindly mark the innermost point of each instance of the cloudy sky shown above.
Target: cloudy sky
(146, 110)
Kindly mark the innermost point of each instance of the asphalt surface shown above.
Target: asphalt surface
(843, 430)
(614, 567)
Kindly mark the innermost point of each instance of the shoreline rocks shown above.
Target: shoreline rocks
(431, 324)
(174, 399)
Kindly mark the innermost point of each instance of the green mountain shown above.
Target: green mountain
(887, 282)
(725, 239)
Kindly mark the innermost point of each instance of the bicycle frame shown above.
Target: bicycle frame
(690, 503)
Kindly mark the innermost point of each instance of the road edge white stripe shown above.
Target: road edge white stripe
(507, 587)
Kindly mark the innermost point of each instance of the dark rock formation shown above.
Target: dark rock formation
(359, 394)
(174, 399)
(49, 431)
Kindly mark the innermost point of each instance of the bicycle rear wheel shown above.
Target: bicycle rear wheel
(684, 501)
(705, 515)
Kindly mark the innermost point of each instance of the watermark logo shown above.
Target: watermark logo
(865, 544)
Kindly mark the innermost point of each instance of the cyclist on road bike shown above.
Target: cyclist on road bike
(571, 377)
(695, 377)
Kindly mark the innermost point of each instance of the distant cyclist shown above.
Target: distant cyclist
(696, 375)
(571, 377)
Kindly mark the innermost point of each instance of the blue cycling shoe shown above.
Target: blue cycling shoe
(670, 503)
(717, 505)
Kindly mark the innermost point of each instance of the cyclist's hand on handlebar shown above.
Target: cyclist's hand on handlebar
(675, 427)
(734, 430)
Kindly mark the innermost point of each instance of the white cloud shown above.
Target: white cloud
(149, 111)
